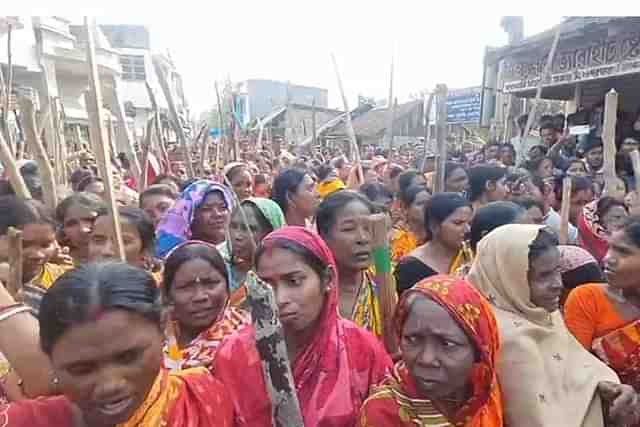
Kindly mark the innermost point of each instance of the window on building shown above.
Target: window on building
(133, 67)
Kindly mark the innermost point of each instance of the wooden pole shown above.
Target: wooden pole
(173, 111)
(8, 90)
(15, 250)
(204, 148)
(543, 78)
(427, 127)
(314, 134)
(146, 148)
(42, 157)
(348, 124)
(564, 211)
(221, 139)
(163, 155)
(391, 111)
(124, 135)
(609, 141)
(508, 120)
(93, 100)
(9, 163)
(635, 161)
(441, 137)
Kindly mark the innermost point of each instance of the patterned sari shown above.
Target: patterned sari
(403, 242)
(620, 350)
(191, 398)
(202, 350)
(397, 402)
(366, 311)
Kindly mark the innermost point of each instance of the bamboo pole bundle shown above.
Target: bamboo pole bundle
(564, 211)
(221, 139)
(162, 154)
(93, 100)
(9, 163)
(125, 136)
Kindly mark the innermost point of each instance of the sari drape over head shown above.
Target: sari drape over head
(592, 234)
(175, 226)
(547, 377)
(332, 374)
(190, 398)
(396, 401)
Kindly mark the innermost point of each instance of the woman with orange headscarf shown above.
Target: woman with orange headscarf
(447, 375)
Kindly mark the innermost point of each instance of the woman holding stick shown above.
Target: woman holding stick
(196, 289)
(200, 213)
(334, 362)
(101, 327)
(447, 376)
(343, 223)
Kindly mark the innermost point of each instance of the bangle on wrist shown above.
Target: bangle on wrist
(10, 312)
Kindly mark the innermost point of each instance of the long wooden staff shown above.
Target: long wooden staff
(124, 135)
(635, 162)
(173, 111)
(543, 78)
(93, 100)
(611, 181)
(391, 111)
(427, 128)
(146, 149)
(272, 348)
(564, 211)
(388, 295)
(42, 158)
(220, 144)
(348, 124)
(203, 136)
(15, 261)
(9, 163)
(441, 137)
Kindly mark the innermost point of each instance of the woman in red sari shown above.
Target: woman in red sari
(334, 362)
(101, 327)
(447, 376)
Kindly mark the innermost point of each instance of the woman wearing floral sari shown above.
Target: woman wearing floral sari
(200, 213)
(447, 376)
(334, 362)
(343, 223)
(547, 377)
(196, 290)
(101, 327)
(605, 318)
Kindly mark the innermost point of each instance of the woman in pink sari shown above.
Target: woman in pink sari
(334, 362)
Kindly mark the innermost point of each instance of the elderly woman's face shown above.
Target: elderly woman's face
(436, 350)
(108, 365)
(545, 280)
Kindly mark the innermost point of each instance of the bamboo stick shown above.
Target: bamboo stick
(40, 153)
(9, 88)
(380, 226)
(635, 161)
(204, 149)
(314, 134)
(348, 124)
(564, 211)
(15, 250)
(220, 145)
(163, 155)
(124, 134)
(609, 141)
(173, 111)
(543, 77)
(93, 100)
(391, 111)
(427, 128)
(441, 137)
(9, 163)
(146, 148)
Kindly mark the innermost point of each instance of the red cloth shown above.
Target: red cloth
(332, 375)
(593, 236)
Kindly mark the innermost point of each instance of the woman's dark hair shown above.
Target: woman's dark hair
(259, 178)
(410, 194)
(451, 167)
(492, 216)
(510, 147)
(533, 165)
(174, 179)
(439, 207)
(545, 240)
(235, 170)
(78, 176)
(16, 212)
(286, 183)
(374, 191)
(158, 190)
(605, 203)
(90, 201)
(527, 202)
(187, 252)
(587, 273)
(323, 171)
(331, 206)
(81, 295)
(82, 185)
(480, 175)
(311, 259)
(143, 223)
(406, 179)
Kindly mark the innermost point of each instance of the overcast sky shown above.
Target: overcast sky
(433, 42)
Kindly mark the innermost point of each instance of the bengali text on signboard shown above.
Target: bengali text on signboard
(464, 105)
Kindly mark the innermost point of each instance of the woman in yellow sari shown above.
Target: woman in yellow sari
(101, 326)
(342, 221)
(409, 233)
(446, 218)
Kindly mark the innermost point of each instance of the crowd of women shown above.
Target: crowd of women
(495, 322)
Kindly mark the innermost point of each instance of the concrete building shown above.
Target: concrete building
(258, 98)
